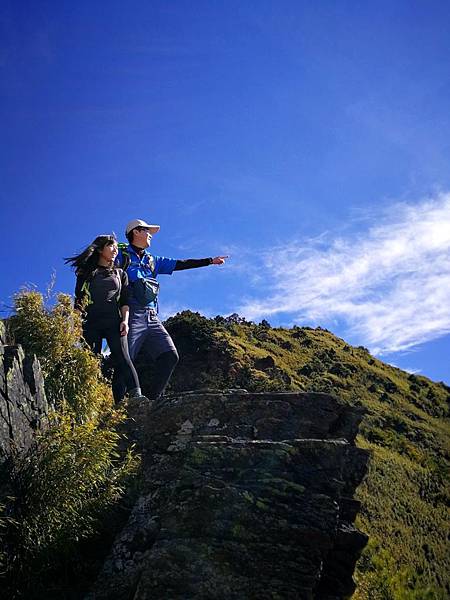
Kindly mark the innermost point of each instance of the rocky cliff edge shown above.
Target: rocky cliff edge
(23, 405)
(244, 496)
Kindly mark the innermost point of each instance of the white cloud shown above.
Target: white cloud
(410, 370)
(390, 284)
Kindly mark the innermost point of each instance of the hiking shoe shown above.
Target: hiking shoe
(136, 394)
(141, 397)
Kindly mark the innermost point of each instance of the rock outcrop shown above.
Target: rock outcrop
(23, 405)
(244, 496)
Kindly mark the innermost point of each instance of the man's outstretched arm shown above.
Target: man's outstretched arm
(194, 263)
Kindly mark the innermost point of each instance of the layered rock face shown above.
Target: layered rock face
(23, 406)
(244, 496)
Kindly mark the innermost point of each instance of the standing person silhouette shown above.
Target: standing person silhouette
(146, 330)
(101, 295)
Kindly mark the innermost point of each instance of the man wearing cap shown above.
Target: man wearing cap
(146, 330)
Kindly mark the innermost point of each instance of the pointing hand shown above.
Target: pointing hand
(219, 260)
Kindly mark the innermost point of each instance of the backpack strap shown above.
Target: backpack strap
(85, 288)
(125, 259)
(119, 280)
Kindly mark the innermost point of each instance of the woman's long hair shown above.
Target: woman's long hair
(86, 262)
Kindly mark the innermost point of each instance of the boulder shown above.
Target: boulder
(243, 495)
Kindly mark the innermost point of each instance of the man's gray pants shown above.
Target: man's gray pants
(147, 333)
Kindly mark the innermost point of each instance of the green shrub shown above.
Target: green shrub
(62, 487)
(73, 380)
(60, 490)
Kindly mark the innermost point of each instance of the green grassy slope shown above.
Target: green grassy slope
(405, 496)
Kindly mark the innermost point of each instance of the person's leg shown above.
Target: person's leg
(159, 345)
(122, 364)
(135, 338)
(138, 324)
(129, 362)
(164, 366)
(118, 385)
(93, 338)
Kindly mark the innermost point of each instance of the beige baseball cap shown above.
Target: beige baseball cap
(140, 223)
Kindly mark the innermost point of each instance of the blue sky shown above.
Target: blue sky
(310, 141)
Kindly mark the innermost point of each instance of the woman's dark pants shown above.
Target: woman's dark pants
(124, 371)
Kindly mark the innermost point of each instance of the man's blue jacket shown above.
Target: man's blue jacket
(147, 266)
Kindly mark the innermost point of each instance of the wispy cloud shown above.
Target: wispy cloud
(389, 284)
(411, 370)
